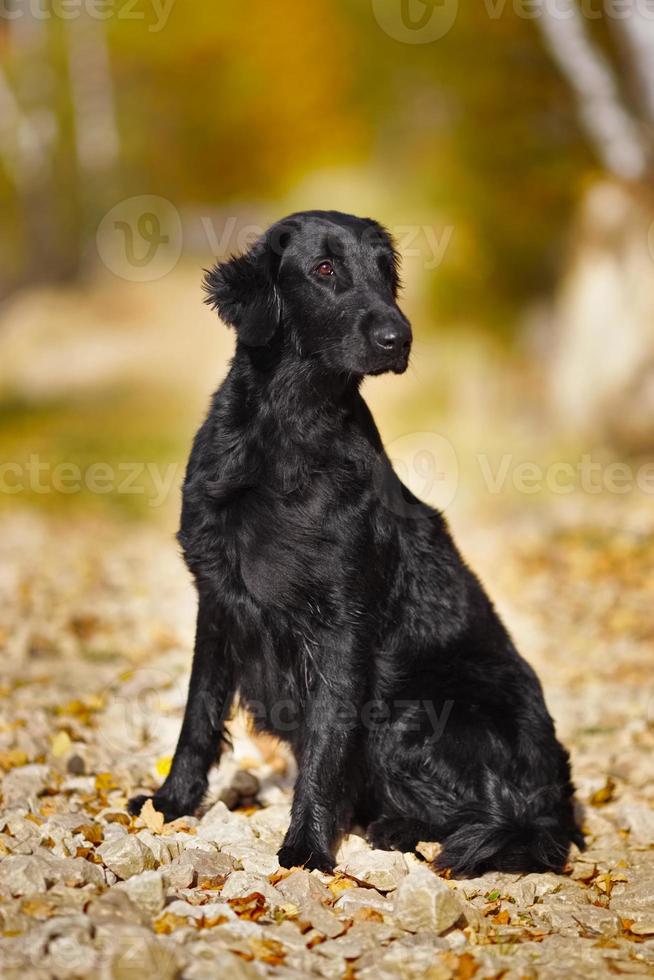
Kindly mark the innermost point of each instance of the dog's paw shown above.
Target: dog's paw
(391, 834)
(302, 856)
(170, 808)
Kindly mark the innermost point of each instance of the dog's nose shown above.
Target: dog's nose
(394, 338)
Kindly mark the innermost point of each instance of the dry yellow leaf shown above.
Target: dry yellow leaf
(340, 884)
(366, 914)
(163, 765)
(605, 794)
(92, 832)
(268, 951)
(167, 922)
(208, 922)
(13, 759)
(150, 818)
(61, 745)
(38, 907)
(105, 781)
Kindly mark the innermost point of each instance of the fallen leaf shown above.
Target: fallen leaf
(163, 765)
(150, 818)
(368, 915)
(61, 745)
(168, 922)
(605, 794)
(92, 832)
(13, 759)
(268, 951)
(105, 781)
(249, 907)
(340, 884)
(38, 907)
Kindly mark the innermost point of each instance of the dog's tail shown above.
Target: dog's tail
(511, 831)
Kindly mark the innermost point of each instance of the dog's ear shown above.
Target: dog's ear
(244, 291)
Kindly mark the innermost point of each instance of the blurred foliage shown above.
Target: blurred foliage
(241, 104)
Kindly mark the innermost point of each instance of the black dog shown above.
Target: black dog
(332, 601)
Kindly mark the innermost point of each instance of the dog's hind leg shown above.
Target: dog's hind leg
(400, 833)
(209, 698)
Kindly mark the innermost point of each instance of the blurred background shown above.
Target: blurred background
(509, 147)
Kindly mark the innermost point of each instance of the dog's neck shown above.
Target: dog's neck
(296, 389)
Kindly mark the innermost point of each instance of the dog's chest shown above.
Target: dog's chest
(288, 549)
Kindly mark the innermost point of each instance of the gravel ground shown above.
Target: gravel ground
(95, 629)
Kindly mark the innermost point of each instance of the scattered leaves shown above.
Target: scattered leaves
(249, 907)
(150, 818)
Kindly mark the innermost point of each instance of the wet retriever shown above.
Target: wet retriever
(332, 601)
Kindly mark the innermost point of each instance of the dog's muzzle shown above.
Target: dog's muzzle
(391, 343)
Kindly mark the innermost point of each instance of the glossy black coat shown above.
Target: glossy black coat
(332, 601)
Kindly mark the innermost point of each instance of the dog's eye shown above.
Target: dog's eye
(325, 269)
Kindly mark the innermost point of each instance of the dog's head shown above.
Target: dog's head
(324, 282)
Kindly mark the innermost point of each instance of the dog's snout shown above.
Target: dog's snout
(394, 337)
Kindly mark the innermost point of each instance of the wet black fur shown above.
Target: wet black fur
(333, 602)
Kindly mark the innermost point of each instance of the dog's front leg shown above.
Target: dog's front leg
(209, 698)
(320, 801)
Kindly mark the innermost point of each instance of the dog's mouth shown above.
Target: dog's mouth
(396, 366)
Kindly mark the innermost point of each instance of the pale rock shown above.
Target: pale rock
(242, 883)
(381, 869)
(208, 961)
(643, 926)
(72, 871)
(136, 953)
(351, 844)
(114, 906)
(68, 958)
(424, 901)
(156, 844)
(321, 919)
(126, 856)
(209, 910)
(354, 899)
(639, 820)
(197, 867)
(405, 960)
(179, 874)
(271, 823)
(256, 857)
(21, 875)
(145, 890)
(24, 783)
(303, 886)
